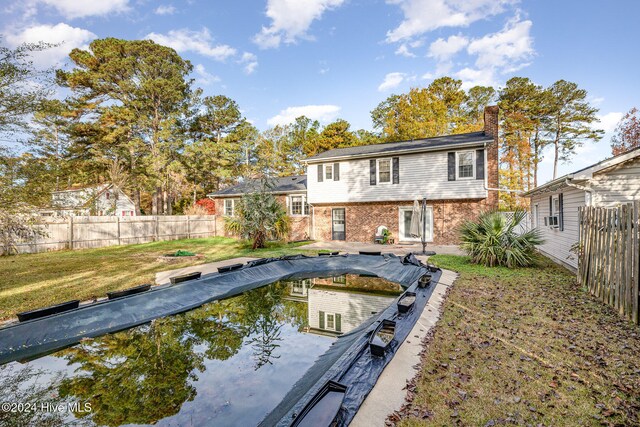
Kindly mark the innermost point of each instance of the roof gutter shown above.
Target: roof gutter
(391, 153)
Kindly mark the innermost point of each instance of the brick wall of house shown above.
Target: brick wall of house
(362, 219)
(299, 223)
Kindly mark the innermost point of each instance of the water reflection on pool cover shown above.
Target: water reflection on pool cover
(227, 363)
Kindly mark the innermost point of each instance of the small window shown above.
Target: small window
(465, 164)
(384, 170)
(340, 280)
(330, 321)
(328, 172)
(229, 206)
(298, 205)
(555, 206)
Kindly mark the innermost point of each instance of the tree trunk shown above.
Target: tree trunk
(136, 201)
(556, 147)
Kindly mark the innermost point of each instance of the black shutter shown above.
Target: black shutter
(396, 170)
(321, 319)
(338, 322)
(561, 213)
(320, 177)
(550, 205)
(479, 164)
(336, 171)
(372, 172)
(451, 166)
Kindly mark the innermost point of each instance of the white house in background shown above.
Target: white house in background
(554, 205)
(105, 199)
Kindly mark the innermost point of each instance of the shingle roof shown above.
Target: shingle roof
(284, 184)
(426, 144)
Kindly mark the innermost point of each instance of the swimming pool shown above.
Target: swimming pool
(228, 362)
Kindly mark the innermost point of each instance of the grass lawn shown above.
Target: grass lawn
(525, 347)
(37, 280)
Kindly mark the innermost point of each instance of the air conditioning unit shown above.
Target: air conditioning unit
(551, 221)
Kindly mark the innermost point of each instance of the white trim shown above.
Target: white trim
(233, 207)
(473, 165)
(401, 230)
(305, 212)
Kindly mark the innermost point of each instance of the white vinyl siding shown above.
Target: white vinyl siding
(621, 185)
(557, 243)
(421, 175)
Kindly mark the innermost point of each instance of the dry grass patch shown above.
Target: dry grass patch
(525, 347)
(38, 280)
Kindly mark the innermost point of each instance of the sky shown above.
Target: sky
(330, 59)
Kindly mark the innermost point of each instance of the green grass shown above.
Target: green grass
(37, 280)
(525, 347)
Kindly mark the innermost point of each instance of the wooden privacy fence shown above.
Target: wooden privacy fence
(83, 232)
(608, 263)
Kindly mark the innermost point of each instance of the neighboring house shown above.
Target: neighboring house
(554, 205)
(291, 191)
(352, 191)
(96, 200)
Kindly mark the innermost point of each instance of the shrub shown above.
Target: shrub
(491, 240)
(208, 204)
(259, 217)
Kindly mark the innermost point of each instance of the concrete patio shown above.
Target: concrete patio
(398, 249)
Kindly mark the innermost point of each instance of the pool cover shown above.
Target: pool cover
(348, 361)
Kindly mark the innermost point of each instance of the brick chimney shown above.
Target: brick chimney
(491, 129)
(491, 121)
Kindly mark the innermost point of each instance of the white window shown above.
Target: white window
(555, 206)
(229, 207)
(330, 321)
(465, 165)
(328, 172)
(384, 170)
(298, 205)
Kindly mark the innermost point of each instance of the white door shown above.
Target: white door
(406, 212)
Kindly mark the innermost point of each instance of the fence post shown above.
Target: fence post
(188, 226)
(156, 230)
(635, 282)
(118, 223)
(70, 231)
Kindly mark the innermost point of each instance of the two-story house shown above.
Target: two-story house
(349, 192)
(105, 199)
(352, 191)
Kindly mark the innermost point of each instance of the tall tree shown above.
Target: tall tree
(627, 134)
(478, 97)
(220, 117)
(50, 139)
(141, 88)
(22, 87)
(571, 117)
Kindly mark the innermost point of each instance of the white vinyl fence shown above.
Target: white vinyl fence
(83, 232)
(525, 224)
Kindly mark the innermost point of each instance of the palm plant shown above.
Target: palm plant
(491, 240)
(259, 217)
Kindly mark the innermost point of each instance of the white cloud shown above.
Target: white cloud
(391, 81)
(421, 16)
(71, 9)
(204, 77)
(290, 20)
(322, 113)
(185, 40)
(63, 35)
(403, 50)
(609, 121)
(476, 77)
(506, 48)
(250, 62)
(165, 10)
(443, 50)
